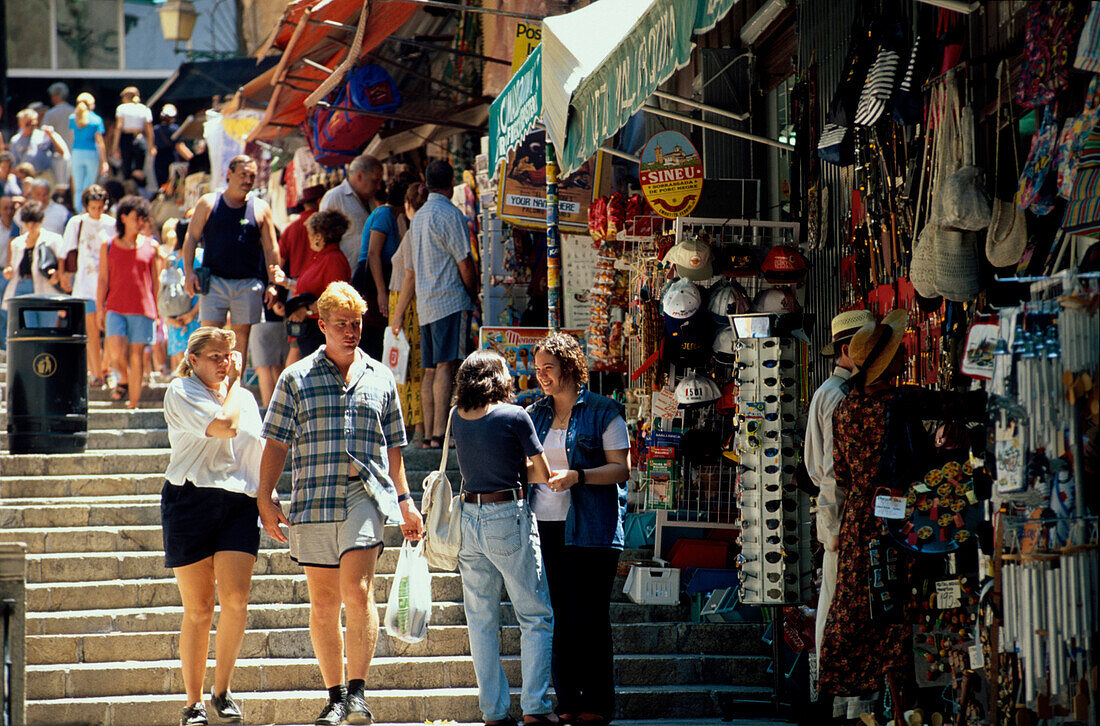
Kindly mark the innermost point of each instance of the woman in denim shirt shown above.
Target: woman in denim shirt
(497, 449)
(580, 514)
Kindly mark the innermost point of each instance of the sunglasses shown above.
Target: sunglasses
(754, 594)
(786, 417)
(772, 558)
(773, 469)
(773, 452)
(784, 397)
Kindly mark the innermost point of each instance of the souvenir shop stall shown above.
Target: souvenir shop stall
(947, 167)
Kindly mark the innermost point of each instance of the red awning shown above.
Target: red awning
(315, 37)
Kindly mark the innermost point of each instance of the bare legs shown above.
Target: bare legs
(351, 585)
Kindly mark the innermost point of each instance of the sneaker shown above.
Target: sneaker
(333, 714)
(194, 715)
(358, 712)
(226, 707)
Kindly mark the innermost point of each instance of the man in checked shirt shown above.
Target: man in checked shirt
(337, 411)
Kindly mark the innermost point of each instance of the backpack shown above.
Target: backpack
(172, 299)
(442, 513)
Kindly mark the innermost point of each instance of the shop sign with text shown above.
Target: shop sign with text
(522, 196)
(671, 173)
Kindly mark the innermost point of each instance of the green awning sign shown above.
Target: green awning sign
(516, 110)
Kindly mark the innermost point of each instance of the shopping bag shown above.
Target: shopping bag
(395, 354)
(442, 514)
(409, 608)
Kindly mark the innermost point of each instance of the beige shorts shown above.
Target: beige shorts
(322, 544)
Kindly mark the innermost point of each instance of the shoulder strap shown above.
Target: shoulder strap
(446, 443)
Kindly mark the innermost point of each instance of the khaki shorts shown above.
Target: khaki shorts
(322, 544)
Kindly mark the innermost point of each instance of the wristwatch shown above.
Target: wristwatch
(580, 476)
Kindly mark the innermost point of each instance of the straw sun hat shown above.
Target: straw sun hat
(874, 345)
(843, 327)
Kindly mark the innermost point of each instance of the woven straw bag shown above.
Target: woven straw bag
(1007, 235)
(956, 264)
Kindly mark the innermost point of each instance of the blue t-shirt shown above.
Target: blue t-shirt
(381, 220)
(84, 138)
(493, 450)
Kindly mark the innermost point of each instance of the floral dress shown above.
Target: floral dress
(857, 651)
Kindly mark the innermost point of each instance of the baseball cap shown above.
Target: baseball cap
(723, 344)
(843, 327)
(688, 345)
(784, 263)
(728, 402)
(692, 258)
(681, 299)
(728, 299)
(775, 300)
(742, 260)
(696, 390)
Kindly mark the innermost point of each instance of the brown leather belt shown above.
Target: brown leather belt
(504, 495)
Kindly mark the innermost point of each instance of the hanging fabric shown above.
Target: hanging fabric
(1088, 48)
(1048, 39)
(1036, 186)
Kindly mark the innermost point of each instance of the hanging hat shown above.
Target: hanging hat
(843, 327)
(775, 300)
(742, 260)
(695, 390)
(723, 345)
(728, 402)
(692, 259)
(784, 264)
(689, 344)
(728, 299)
(874, 345)
(681, 300)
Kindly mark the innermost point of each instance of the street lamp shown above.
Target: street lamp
(177, 20)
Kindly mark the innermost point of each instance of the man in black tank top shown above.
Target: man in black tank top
(240, 252)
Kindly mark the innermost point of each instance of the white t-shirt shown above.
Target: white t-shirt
(551, 506)
(132, 117)
(206, 461)
(93, 233)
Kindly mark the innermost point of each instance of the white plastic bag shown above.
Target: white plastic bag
(395, 354)
(409, 608)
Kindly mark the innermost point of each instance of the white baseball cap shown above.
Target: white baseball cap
(681, 300)
(695, 390)
(726, 300)
(723, 343)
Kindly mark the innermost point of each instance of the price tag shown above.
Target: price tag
(889, 507)
(977, 657)
(948, 594)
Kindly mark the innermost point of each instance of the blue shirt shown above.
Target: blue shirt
(84, 138)
(597, 511)
(508, 433)
(36, 149)
(381, 220)
(438, 240)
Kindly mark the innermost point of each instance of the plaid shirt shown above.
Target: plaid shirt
(326, 423)
(438, 240)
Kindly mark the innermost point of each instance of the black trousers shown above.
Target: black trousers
(583, 662)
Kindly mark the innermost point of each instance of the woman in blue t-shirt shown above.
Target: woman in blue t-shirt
(381, 236)
(89, 148)
(497, 451)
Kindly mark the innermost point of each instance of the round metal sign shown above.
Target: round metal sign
(671, 173)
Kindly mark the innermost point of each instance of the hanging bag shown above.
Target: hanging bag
(1007, 235)
(963, 203)
(956, 264)
(442, 514)
(409, 607)
(395, 354)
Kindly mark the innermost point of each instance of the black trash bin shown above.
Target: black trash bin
(47, 375)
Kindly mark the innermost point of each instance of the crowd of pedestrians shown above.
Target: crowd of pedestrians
(309, 309)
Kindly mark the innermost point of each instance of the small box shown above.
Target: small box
(653, 585)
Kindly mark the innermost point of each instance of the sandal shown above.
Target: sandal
(539, 718)
(120, 392)
(435, 443)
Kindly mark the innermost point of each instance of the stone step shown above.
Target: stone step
(119, 461)
(135, 438)
(649, 703)
(52, 596)
(106, 416)
(629, 638)
(285, 615)
(84, 680)
(35, 489)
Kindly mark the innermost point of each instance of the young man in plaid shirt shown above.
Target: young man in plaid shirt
(337, 411)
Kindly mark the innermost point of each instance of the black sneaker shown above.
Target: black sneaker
(358, 712)
(333, 714)
(226, 707)
(194, 715)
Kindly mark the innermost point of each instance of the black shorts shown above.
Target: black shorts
(199, 521)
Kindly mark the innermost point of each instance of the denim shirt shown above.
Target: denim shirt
(597, 511)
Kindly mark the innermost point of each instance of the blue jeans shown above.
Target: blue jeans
(85, 173)
(500, 545)
(3, 316)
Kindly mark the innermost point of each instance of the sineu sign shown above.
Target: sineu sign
(671, 172)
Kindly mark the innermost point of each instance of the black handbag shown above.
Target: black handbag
(47, 260)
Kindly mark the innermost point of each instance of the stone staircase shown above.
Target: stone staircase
(104, 613)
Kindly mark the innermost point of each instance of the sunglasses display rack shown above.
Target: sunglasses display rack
(776, 560)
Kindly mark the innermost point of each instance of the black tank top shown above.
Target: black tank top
(26, 262)
(231, 238)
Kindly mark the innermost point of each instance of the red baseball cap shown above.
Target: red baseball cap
(784, 263)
